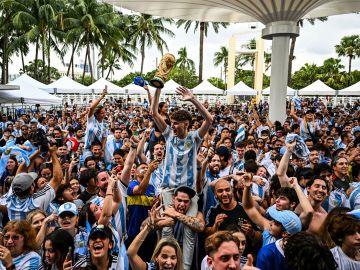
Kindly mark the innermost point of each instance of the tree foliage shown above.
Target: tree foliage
(38, 68)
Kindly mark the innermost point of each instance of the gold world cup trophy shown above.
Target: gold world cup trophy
(163, 70)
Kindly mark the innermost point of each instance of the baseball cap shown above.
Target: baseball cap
(100, 230)
(68, 207)
(189, 191)
(355, 213)
(22, 182)
(288, 219)
(310, 110)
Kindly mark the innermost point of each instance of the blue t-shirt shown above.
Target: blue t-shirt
(138, 207)
(271, 257)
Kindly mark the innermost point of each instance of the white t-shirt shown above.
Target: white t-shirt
(343, 261)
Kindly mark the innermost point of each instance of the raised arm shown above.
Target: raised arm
(107, 209)
(140, 149)
(249, 207)
(188, 96)
(256, 116)
(126, 173)
(57, 171)
(307, 210)
(284, 163)
(159, 121)
(96, 102)
(292, 112)
(141, 188)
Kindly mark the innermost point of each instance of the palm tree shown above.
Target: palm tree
(204, 27)
(349, 47)
(92, 23)
(146, 31)
(293, 42)
(37, 23)
(221, 58)
(184, 63)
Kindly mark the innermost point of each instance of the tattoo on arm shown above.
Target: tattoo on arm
(194, 223)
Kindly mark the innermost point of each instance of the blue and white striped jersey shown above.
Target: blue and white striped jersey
(180, 159)
(29, 261)
(18, 208)
(95, 131)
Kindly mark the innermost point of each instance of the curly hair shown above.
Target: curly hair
(25, 229)
(304, 251)
(181, 115)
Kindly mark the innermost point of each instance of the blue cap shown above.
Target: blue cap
(355, 213)
(288, 219)
(140, 81)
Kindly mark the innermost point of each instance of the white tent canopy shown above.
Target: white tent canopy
(65, 85)
(99, 85)
(206, 88)
(170, 87)
(241, 89)
(28, 94)
(26, 79)
(317, 88)
(289, 91)
(352, 90)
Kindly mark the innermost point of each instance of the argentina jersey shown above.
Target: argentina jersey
(180, 159)
(95, 131)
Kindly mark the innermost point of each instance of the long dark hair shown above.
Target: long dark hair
(61, 242)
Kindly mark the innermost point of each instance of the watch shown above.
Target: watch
(11, 267)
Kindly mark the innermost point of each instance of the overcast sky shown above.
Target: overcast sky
(314, 45)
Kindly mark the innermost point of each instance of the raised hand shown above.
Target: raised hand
(247, 179)
(187, 95)
(291, 146)
(105, 91)
(293, 182)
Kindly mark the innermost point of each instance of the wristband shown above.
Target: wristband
(11, 267)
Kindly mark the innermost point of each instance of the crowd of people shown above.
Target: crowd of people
(190, 186)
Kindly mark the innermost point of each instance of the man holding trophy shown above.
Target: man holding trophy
(180, 165)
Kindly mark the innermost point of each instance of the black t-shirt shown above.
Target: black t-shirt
(341, 185)
(236, 216)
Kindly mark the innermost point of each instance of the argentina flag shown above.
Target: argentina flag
(11, 149)
(297, 102)
(240, 134)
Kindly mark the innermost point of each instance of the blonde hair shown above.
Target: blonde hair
(33, 213)
(169, 241)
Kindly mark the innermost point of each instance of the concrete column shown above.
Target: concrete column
(259, 68)
(278, 82)
(231, 67)
(280, 33)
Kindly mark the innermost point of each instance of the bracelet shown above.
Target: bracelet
(109, 194)
(134, 146)
(11, 267)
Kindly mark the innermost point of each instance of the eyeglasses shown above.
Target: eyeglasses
(12, 237)
(24, 129)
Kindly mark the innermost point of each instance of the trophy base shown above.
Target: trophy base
(157, 82)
